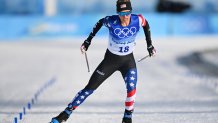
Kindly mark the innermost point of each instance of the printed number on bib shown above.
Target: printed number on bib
(124, 49)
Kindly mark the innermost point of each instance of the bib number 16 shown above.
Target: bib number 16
(124, 49)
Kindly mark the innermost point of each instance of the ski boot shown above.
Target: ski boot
(127, 120)
(62, 117)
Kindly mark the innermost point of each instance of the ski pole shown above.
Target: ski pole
(87, 62)
(139, 60)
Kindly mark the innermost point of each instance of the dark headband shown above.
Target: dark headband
(123, 6)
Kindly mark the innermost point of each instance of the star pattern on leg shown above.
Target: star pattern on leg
(132, 84)
(82, 97)
(133, 72)
(87, 93)
(132, 78)
(78, 102)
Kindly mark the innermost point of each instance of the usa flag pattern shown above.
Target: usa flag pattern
(130, 81)
(79, 98)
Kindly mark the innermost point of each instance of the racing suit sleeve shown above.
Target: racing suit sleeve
(147, 33)
(146, 28)
(95, 29)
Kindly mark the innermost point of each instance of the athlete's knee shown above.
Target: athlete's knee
(131, 79)
(91, 86)
(94, 84)
(131, 75)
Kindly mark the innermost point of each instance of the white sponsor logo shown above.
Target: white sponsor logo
(99, 72)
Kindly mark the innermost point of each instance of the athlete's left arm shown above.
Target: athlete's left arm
(145, 25)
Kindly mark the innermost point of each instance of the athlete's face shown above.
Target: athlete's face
(125, 16)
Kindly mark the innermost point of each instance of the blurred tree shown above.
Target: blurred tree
(172, 6)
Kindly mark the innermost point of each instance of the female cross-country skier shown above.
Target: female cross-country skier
(123, 29)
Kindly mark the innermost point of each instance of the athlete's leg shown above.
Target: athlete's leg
(129, 73)
(102, 72)
(131, 82)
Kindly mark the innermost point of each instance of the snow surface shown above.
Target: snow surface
(167, 92)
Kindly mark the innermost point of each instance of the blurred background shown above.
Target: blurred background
(57, 18)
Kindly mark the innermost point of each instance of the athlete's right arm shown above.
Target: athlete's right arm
(87, 42)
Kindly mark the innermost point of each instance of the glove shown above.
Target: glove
(85, 45)
(151, 50)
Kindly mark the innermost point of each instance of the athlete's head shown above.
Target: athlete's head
(124, 9)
